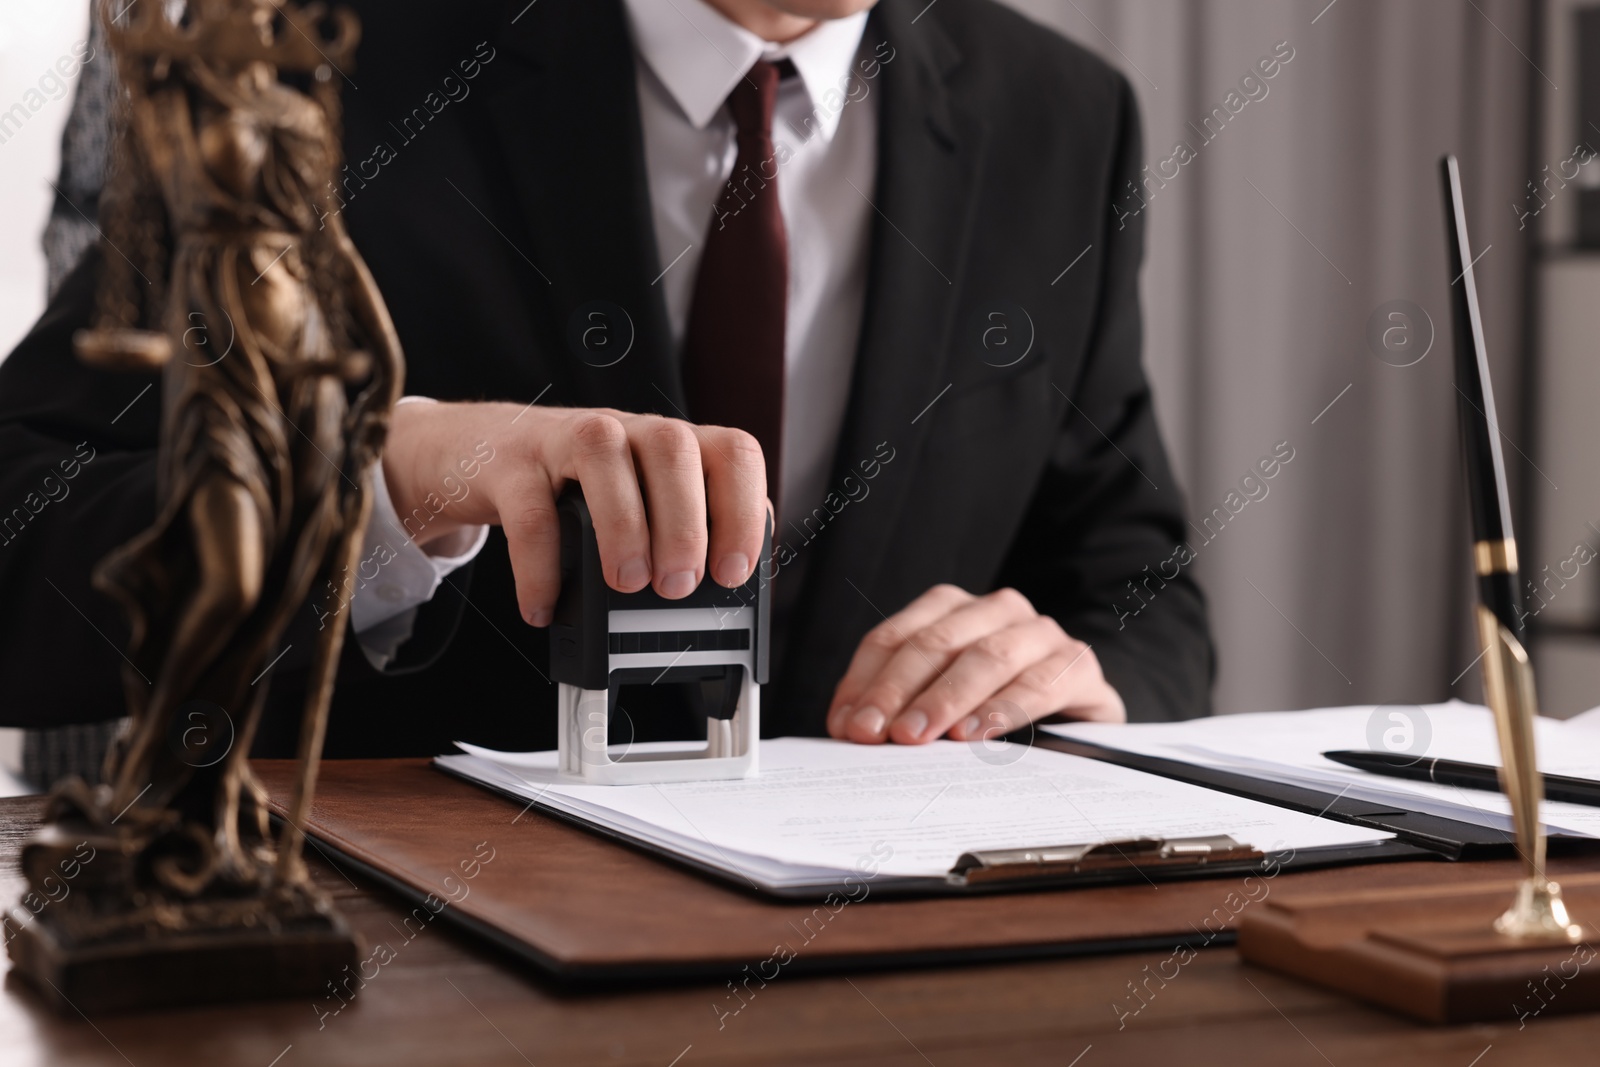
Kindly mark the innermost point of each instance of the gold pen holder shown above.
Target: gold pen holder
(1537, 912)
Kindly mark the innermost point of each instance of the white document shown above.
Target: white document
(1590, 719)
(1287, 747)
(820, 809)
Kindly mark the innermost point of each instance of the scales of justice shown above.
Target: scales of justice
(224, 270)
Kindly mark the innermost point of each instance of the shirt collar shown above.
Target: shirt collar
(699, 56)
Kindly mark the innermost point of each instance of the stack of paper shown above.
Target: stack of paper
(820, 810)
(1287, 747)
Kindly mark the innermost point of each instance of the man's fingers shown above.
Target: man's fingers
(883, 641)
(533, 536)
(597, 454)
(987, 666)
(668, 456)
(920, 661)
(1068, 682)
(736, 498)
(994, 719)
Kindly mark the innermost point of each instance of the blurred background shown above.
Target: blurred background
(1295, 294)
(1294, 278)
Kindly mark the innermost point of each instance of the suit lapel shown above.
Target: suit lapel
(567, 117)
(929, 160)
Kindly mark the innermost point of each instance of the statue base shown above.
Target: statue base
(180, 968)
(96, 933)
(1431, 953)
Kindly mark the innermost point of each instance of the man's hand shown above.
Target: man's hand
(630, 467)
(953, 664)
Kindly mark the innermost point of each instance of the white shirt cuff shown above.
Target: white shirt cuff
(396, 576)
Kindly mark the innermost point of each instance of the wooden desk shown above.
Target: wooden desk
(445, 1000)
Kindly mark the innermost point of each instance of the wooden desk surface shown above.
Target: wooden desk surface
(447, 1000)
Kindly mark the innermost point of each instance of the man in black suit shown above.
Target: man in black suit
(904, 308)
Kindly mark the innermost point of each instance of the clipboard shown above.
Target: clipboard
(584, 908)
(1101, 862)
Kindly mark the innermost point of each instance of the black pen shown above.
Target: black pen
(1494, 546)
(1466, 775)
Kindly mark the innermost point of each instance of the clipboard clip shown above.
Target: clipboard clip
(1020, 864)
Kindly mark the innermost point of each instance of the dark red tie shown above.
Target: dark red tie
(733, 350)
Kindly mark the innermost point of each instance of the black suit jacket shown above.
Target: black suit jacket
(498, 211)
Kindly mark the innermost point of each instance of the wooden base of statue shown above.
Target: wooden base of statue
(96, 934)
(1430, 952)
(185, 969)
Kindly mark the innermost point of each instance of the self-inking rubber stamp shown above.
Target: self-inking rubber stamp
(712, 644)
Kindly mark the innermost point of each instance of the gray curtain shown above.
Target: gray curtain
(1316, 204)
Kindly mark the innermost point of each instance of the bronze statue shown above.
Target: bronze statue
(225, 268)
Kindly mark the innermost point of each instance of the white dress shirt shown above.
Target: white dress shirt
(692, 59)
(394, 575)
(825, 128)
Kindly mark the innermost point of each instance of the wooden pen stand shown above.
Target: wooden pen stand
(1429, 952)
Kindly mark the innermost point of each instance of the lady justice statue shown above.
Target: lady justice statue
(225, 268)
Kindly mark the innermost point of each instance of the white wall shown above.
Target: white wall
(34, 35)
